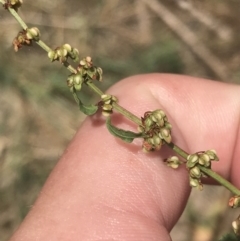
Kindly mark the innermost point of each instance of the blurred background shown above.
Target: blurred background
(38, 116)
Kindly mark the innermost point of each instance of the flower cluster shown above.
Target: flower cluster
(85, 72)
(15, 4)
(173, 162)
(156, 128)
(62, 53)
(203, 159)
(106, 104)
(87, 69)
(25, 37)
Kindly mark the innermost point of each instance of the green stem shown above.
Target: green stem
(94, 88)
(43, 45)
(116, 106)
(178, 150)
(16, 16)
(220, 180)
(127, 114)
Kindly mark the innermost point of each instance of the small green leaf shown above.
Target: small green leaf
(88, 109)
(127, 136)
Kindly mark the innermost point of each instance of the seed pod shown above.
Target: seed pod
(173, 162)
(78, 79)
(167, 125)
(153, 118)
(165, 133)
(148, 122)
(82, 62)
(150, 141)
(33, 33)
(52, 55)
(107, 107)
(204, 160)
(68, 47)
(192, 160)
(157, 115)
(195, 183)
(156, 140)
(195, 172)
(212, 155)
(106, 98)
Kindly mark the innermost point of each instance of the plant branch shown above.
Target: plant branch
(125, 112)
(206, 171)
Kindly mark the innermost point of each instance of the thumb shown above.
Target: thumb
(104, 189)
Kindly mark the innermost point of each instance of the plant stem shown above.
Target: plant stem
(220, 179)
(116, 106)
(16, 16)
(127, 114)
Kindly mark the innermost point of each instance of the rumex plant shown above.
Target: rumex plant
(153, 127)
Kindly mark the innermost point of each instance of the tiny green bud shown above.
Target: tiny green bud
(68, 47)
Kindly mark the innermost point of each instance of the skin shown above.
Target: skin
(105, 189)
